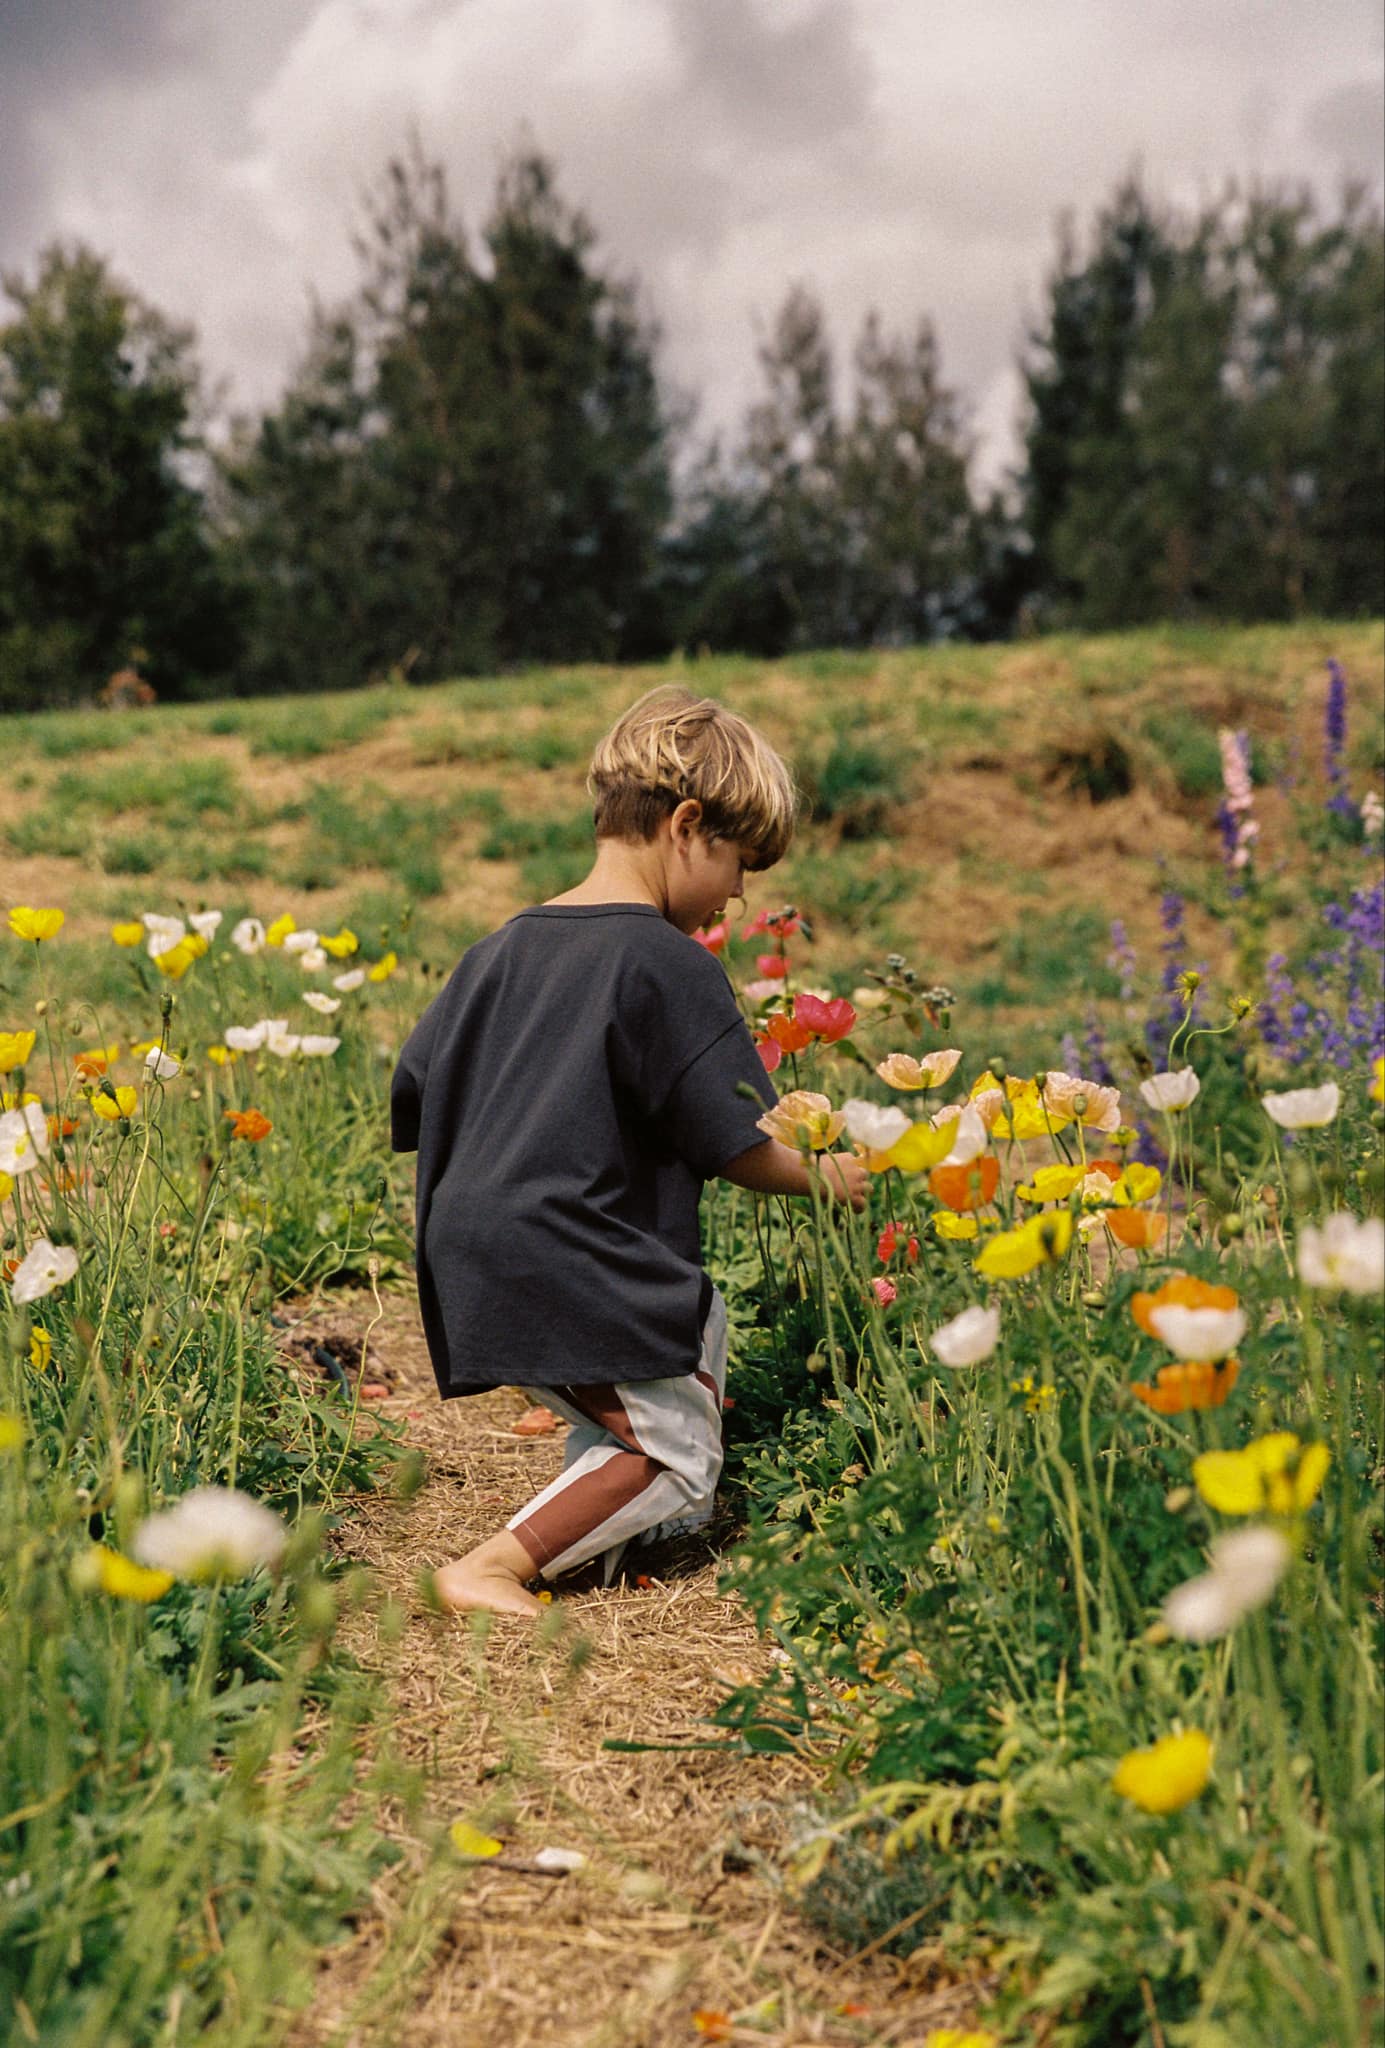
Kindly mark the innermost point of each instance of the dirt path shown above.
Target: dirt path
(678, 1913)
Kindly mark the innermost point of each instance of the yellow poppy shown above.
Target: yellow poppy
(469, 1841)
(383, 969)
(1052, 1184)
(1014, 1252)
(222, 1055)
(1166, 1776)
(279, 930)
(177, 960)
(40, 1347)
(922, 1147)
(945, 1224)
(1140, 1182)
(343, 944)
(15, 1047)
(126, 1102)
(36, 924)
(121, 1576)
(1275, 1473)
(129, 932)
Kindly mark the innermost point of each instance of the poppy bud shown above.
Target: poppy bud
(75, 1028)
(996, 1066)
(41, 1007)
(1231, 1226)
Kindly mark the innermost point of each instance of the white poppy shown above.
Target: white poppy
(316, 1048)
(316, 1000)
(969, 1337)
(872, 1127)
(43, 1267)
(164, 940)
(159, 922)
(313, 960)
(970, 1139)
(284, 1043)
(23, 1139)
(206, 923)
(1345, 1253)
(1171, 1091)
(1204, 1334)
(213, 1532)
(162, 1065)
(349, 981)
(1303, 1109)
(1247, 1565)
(250, 1037)
(248, 936)
(299, 942)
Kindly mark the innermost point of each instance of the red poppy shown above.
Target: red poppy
(781, 922)
(770, 1053)
(714, 939)
(829, 1021)
(884, 1291)
(965, 1187)
(773, 966)
(889, 1241)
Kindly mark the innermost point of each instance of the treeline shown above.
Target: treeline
(476, 464)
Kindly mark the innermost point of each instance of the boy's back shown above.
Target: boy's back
(568, 1092)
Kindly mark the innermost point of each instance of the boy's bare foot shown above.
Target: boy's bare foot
(492, 1577)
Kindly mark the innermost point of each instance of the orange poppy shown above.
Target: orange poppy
(1181, 1291)
(790, 1034)
(250, 1124)
(965, 1187)
(1138, 1228)
(1188, 1386)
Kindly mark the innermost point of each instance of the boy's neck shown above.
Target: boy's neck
(623, 872)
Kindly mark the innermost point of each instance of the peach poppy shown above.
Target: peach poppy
(1180, 1291)
(1136, 1228)
(960, 1188)
(250, 1124)
(1193, 1385)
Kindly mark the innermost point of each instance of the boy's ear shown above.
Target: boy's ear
(686, 818)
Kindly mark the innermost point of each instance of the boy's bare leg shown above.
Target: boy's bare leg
(493, 1576)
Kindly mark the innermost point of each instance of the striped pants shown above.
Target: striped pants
(642, 1460)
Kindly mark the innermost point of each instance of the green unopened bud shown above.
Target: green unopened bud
(1231, 1227)
(75, 1028)
(168, 1003)
(996, 1065)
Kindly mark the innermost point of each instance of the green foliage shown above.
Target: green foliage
(103, 556)
(855, 783)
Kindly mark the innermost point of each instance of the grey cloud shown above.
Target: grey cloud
(785, 84)
(1346, 124)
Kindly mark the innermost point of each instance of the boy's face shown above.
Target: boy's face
(708, 874)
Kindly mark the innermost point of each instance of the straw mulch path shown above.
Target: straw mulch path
(679, 1912)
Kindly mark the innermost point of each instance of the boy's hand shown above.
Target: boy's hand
(846, 1179)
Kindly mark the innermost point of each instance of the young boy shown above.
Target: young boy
(583, 1072)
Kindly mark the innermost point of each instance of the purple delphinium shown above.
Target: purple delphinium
(1095, 1064)
(1335, 1012)
(1334, 742)
(1121, 958)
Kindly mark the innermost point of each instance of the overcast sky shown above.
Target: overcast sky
(911, 155)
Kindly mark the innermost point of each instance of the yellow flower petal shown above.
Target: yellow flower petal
(15, 1047)
(177, 960)
(124, 1579)
(1376, 1091)
(344, 943)
(469, 1841)
(129, 933)
(923, 1147)
(1140, 1181)
(383, 969)
(40, 1347)
(1272, 1473)
(11, 1432)
(125, 1104)
(279, 930)
(945, 1224)
(222, 1055)
(1051, 1184)
(36, 924)
(1167, 1776)
(1013, 1253)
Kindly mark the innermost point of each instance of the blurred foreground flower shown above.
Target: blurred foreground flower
(1198, 1333)
(26, 923)
(1013, 1253)
(1275, 1474)
(1345, 1254)
(11, 1432)
(1304, 1109)
(1171, 1092)
(1180, 1290)
(1196, 1384)
(968, 1338)
(248, 936)
(43, 1267)
(23, 1139)
(106, 1571)
(40, 1348)
(214, 1532)
(15, 1047)
(162, 1065)
(1167, 1776)
(960, 2037)
(1247, 1565)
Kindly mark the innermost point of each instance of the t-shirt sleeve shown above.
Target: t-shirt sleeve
(406, 1089)
(713, 1108)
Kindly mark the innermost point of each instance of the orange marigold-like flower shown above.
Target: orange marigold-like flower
(960, 1188)
(250, 1124)
(1180, 1291)
(1178, 1387)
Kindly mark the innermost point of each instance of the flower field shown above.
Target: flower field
(1059, 1470)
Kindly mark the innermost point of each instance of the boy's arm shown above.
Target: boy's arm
(775, 1169)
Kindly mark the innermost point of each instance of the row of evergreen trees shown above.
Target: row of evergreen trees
(477, 466)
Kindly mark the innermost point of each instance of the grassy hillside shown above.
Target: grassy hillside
(983, 811)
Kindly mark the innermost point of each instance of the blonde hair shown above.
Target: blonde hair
(671, 746)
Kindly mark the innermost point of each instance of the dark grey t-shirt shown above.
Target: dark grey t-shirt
(568, 1093)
